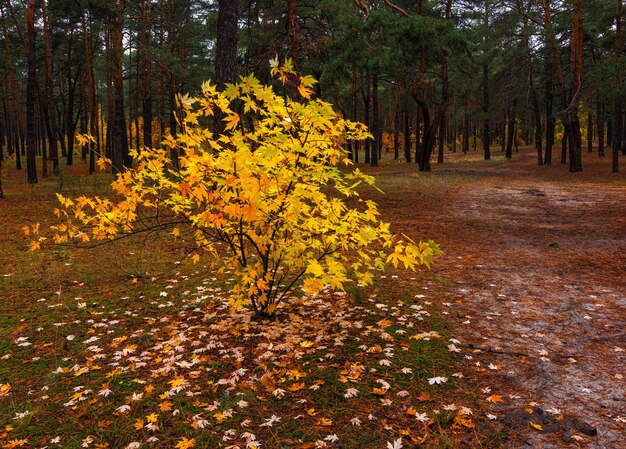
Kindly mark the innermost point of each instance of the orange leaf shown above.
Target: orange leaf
(495, 399)
(296, 387)
(536, 426)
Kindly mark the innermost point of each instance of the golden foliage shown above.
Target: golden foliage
(269, 188)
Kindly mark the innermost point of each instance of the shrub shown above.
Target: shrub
(269, 190)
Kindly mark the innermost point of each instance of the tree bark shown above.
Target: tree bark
(31, 166)
(226, 45)
(119, 139)
(375, 121)
(511, 130)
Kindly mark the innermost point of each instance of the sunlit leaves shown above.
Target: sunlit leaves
(268, 189)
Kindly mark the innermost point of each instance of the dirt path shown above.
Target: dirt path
(535, 261)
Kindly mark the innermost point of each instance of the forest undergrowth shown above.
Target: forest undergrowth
(514, 339)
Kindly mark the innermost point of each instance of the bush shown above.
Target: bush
(268, 189)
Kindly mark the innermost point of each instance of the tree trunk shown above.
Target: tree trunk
(576, 66)
(146, 74)
(49, 109)
(119, 139)
(226, 45)
(466, 132)
(589, 133)
(407, 137)
(511, 130)
(617, 110)
(600, 127)
(91, 97)
(294, 32)
(396, 135)
(375, 121)
(31, 166)
(365, 94)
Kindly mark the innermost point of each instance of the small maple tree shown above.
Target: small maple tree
(267, 196)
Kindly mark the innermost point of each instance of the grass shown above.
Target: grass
(129, 345)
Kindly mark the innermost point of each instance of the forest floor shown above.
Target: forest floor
(515, 338)
(535, 268)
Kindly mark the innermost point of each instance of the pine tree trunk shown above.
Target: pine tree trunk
(407, 137)
(375, 122)
(600, 127)
(31, 166)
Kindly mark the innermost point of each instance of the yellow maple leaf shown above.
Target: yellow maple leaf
(185, 443)
(4, 389)
(16, 443)
(536, 426)
(138, 425)
(165, 406)
(324, 422)
(153, 417)
(219, 417)
(296, 387)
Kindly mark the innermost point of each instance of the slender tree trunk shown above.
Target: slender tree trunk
(445, 95)
(146, 74)
(396, 135)
(294, 32)
(466, 132)
(589, 133)
(600, 127)
(30, 94)
(49, 109)
(92, 105)
(407, 136)
(511, 130)
(617, 107)
(365, 93)
(375, 121)
(485, 135)
(119, 139)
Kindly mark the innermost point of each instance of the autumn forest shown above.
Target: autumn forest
(312, 224)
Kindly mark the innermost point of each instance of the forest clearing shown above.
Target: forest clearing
(355, 224)
(520, 320)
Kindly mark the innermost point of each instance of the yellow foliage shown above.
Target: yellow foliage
(269, 188)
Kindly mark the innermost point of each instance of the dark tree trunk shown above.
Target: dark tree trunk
(396, 135)
(375, 121)
(146, 74)
(485, 134)
(466, 132)
(357, 143)
(617, 133)
(576, 66)
(407, 136)
(49, 109)
(91, 96)
(365, 93)
(589, 133)
(226, 45)
(119, 139)
(511, 130)
(564, 147)
(31, 166)
(600, 126)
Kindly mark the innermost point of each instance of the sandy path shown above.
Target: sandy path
(536, 260)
